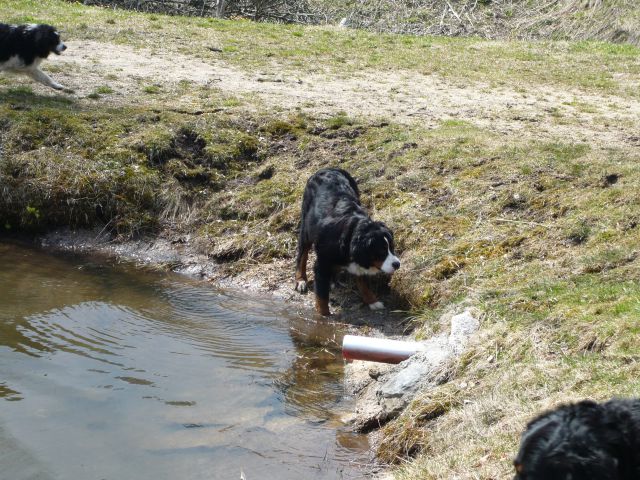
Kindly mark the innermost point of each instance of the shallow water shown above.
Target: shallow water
(112, 372)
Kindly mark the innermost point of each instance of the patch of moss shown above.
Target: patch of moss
(230, 150)
(338, 121)
(156, 142)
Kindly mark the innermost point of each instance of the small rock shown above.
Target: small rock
(463, 326)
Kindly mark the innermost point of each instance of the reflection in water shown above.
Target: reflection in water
(114, 372)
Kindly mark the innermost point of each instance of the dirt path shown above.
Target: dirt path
(405, 97)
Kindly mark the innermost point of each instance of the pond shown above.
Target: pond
(108, 371)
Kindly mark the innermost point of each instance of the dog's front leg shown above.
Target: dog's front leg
(322, 285)
(367, 295)
(39, 76)
(301, 268)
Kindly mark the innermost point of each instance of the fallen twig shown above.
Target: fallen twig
(526, 222)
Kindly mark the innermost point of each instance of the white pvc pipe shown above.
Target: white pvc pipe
(378, 349)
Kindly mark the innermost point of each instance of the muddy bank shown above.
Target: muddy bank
(177, 253)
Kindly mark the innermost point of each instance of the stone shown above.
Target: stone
(385, 390)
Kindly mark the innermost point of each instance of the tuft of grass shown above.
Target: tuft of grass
(99, 91)
(152, 89)
(339, 120)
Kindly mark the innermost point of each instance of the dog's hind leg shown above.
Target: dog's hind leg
(39, 76)
(367, 295)
(322, 285)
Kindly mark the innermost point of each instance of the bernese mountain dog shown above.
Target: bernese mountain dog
(344, 237)
(585, 440)
(24, 47)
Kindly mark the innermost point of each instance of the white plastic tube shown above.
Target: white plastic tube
(378, 349)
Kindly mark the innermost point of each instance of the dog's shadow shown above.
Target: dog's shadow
(24, 98)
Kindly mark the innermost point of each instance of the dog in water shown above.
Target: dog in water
(344, 236)
(24, 47)
(582, 441)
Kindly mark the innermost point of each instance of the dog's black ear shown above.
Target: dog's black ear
(41, 38)
(359, 248)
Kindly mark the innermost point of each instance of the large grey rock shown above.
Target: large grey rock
(382, 397)
(410, 373)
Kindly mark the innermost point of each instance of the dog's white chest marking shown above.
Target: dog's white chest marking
(356, 269)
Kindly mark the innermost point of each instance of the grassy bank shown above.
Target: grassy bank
(536, 228)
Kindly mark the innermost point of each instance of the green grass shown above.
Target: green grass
(99, 91)
(538, 231)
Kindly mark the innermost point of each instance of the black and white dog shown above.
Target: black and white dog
(344, 236)
(24, 47)
(585, 440)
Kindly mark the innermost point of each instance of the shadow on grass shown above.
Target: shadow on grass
(23, 98)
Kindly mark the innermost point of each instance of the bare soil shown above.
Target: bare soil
(405, 97)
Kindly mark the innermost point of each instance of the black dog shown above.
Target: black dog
(586, 440)
(24, 47)
(344, 237)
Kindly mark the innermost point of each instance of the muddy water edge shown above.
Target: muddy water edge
(111, 371)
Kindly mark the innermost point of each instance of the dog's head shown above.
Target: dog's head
(372, 247)
(570, 443)
(47, 40)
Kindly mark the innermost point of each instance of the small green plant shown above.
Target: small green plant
(579, 233)
(32, 214)
(339, 120)
(104, 90)
(152, 89)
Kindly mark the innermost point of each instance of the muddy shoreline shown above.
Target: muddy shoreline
(178, 254)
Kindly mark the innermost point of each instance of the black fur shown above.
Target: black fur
(585, 440)
(27, 42)
(334, 221)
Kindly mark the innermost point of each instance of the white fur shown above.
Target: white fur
(301, 286)
(16, 65)
(376, 306)
(387, 266)
(356, 269)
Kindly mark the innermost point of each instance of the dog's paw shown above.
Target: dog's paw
(376, 306)
(57, 86)
(301, 286)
